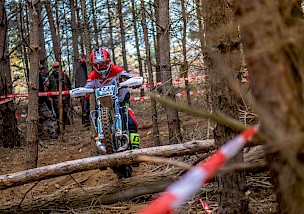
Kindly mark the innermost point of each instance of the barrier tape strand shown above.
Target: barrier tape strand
(205, 206)
(9, 97)
(180, 191)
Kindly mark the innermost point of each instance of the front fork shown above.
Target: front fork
(122, 137)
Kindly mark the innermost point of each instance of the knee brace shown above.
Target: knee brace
(135, 140)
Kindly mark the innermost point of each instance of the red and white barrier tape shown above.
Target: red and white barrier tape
(139, 98)
(54, 93)
(205, 206)
(9, 97)
(180, 191)
(5, 100)
(198, 78)
(183, 93)
(18, 116)
(49, 93)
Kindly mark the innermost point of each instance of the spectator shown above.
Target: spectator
(46, 127)
(46, 83)
(54, 86)
(81, 77)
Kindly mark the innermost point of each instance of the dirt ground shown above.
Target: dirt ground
(76, 145)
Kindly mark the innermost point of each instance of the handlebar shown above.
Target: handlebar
(82, 91)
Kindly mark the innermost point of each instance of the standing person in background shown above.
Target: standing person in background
(54, 86)
(46, 124)
(81, 77)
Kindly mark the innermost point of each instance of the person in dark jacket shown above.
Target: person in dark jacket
(54, 86)
(46, 127)
(81, 77)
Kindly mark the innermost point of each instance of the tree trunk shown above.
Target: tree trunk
(223, 50)
(140, 67)
(60, 76)
(23, 29)
(185, 61)
(94, 22)
(128, 157)
(200, 25)
(157, 47)
(151, 79)
(66, 33)
(42, 56)
(273, 45)
(175, 135)
(74, 37)
(122, 35)
(88, 47)
(55, 37)
(31, 154)
(121, 190)
(87, 39)
(80, 27)
(111, 32)
(8, 124)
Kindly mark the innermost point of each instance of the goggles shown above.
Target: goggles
(101, 65)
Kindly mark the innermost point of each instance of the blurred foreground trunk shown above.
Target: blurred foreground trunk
(272, 32)
(224, 62)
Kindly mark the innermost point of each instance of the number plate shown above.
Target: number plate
(105, 91)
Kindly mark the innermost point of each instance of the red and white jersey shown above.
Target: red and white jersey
(95, 80)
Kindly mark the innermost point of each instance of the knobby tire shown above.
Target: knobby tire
(123, 171)
(106, 128)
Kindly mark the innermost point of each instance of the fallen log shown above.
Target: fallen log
(127, 157)
(121, 190)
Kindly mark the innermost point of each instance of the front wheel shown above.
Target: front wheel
(106, 129)
(123, 171)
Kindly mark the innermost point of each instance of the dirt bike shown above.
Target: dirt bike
(110, 120)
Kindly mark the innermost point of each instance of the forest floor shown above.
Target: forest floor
(77, 145)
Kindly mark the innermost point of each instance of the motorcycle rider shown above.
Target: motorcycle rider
(103, 72)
